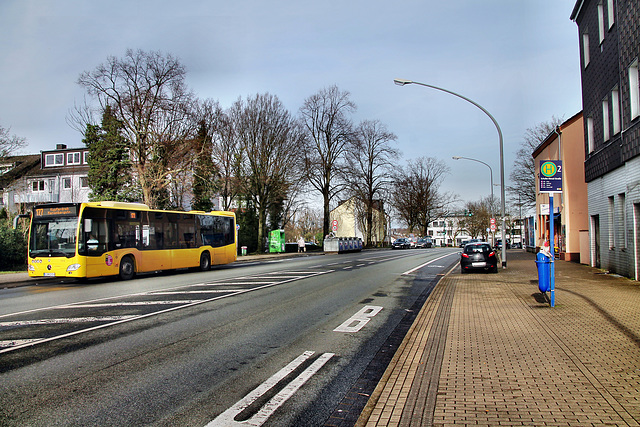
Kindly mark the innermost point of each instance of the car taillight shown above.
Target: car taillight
(465, 256)
(492, 254)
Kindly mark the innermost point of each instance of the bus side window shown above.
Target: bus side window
(187, 231)
(171, 232)
(98, 238)
(128, 229)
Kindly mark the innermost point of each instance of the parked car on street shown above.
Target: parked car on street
(478, 256)
(424, 242)
(498, 244)
(401, 243)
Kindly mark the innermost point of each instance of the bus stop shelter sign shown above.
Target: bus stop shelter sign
(551, 176)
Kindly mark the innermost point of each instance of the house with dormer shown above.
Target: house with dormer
(53, 176)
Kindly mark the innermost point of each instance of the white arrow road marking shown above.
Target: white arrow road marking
(226, 419)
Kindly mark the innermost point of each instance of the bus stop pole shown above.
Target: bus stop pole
(552, 274)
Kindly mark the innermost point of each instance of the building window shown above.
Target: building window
(54, 159)
(73, 158)
(605, 119)
(622, 209)
(612, 224)
(85, 157)
(610, 13)
(601, 22)
(38, 185)
(84, 182)
(585, 50)
(66, 183)
(615, 107)
(634, 90)
(590, 134)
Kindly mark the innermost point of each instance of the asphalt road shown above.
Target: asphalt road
(268, 343)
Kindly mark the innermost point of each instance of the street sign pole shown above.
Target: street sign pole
(552, 269)
(551, 182)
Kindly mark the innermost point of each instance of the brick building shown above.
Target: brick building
(609, 36)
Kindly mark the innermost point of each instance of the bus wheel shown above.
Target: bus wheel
(127, 268)
(205, 261)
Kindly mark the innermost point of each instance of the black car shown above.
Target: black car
(401, 243)
(424, 242)
(498, 244)
(478, 256)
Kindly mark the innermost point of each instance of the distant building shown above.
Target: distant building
(609, 37)
(349, 220)
(571, 219)
(448, 231)
(55, 176)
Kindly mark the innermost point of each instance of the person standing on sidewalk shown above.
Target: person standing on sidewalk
(301, 245)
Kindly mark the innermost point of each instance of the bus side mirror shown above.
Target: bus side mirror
(17, 218)
(88, 223)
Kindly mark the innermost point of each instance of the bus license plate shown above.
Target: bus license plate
(49, 274)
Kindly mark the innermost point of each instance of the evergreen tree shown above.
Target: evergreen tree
(203, 186)
(109, 165)
(247, 219)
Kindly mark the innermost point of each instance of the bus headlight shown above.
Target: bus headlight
(73, 267)
(32, 267)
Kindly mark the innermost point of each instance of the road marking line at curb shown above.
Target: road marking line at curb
(226, 419)
(423, 265)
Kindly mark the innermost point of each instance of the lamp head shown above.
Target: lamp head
(456, 157)
(402, 82)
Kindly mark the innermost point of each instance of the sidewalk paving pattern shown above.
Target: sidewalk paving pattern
(486, 349)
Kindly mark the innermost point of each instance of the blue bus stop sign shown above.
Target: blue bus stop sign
(550, 176)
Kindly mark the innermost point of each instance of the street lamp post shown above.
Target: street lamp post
(403, 82)
(491, 178)
(479, 161)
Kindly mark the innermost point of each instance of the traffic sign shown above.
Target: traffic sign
(550, 176)
(334, 225)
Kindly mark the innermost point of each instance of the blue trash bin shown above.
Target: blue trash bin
(543, 263)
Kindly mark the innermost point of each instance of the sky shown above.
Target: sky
(519, 59)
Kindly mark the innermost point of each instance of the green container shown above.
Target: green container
(276, 241)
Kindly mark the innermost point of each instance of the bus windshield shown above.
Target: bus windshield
(54, 237)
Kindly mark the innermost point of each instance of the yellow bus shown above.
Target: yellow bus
(121, 239)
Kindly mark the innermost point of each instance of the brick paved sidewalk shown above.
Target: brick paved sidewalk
(486, 349)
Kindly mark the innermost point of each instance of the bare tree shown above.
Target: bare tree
(228, 156)
(270, 139)
(328, 132)
(477, 221)
(416, 194)
(10, 143)
(523, 174)
(370, 160)
(146, 91)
